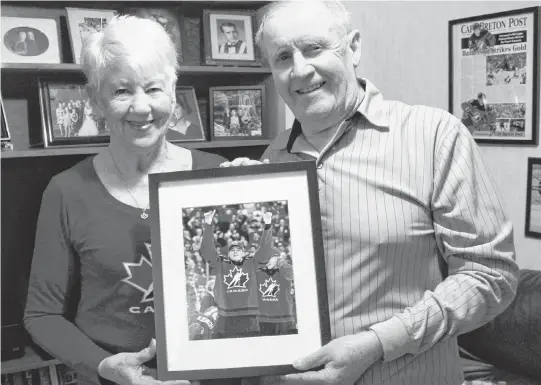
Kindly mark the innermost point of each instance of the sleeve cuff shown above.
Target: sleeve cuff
(394, 338)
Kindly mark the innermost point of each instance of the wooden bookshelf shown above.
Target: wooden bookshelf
(95, 149)
(184, 70)
(30, 360)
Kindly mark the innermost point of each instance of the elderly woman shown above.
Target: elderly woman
(90, 299)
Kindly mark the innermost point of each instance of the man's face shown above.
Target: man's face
(230, 33)
(313, 65)
(481, 101)
(236, 254)
(477, 31)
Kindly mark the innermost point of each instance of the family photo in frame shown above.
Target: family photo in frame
(252, 278)
(494, 75)
(229, 38)
(533, 198)
(30, 40)
(237, 112)
(67, 116)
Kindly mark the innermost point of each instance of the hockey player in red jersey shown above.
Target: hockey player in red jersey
(274, 281)
(235, 290)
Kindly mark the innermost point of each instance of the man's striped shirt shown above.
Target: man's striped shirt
(417, 246)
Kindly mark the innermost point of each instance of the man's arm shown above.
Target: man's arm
(208, 250)
(474, 238)
(264, 251)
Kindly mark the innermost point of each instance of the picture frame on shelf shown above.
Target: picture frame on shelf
(533, 198)
(187, 125)
(192, 347)
(229, 38)
(6, 136)
(30, 40)
(82, 22)
(5, 140)
(169, 19)
(237, 112)
(67, 117)
(494, 75)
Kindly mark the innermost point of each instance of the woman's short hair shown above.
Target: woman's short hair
(128, 42)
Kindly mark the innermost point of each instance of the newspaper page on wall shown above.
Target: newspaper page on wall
(494, 83)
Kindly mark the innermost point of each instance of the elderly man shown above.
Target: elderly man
(417, 247)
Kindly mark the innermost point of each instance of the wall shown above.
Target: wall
(409, 62)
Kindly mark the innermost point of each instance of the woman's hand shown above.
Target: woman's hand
(243, 162)
(129, 368)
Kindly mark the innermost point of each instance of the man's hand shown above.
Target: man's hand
(208, 216)
(341, 362)
(243, 162)
(267, 217)
(129, 368)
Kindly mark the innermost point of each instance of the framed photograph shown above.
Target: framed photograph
(237, 112)
(6, 137)
(66, 115)
(169, 19)
(229, 38)
(494, 75)
(186, 125)
(252, 280)
(82, 22)
(30, 40)
(533, 198)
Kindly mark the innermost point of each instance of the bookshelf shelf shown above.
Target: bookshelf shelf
(76, 68)
(30, 360)
(32, 153)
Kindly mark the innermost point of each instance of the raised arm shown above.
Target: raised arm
(265, 250)
(208, 250)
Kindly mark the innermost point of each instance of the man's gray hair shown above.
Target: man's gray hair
(337, 11)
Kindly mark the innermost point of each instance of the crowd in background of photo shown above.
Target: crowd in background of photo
(241, 222)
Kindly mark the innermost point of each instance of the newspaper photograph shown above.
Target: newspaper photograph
(493, 76)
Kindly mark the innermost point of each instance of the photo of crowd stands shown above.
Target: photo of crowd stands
(239, 257)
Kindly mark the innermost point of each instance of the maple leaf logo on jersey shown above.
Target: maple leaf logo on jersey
(269, 289)
(236, 279)
(140, 274)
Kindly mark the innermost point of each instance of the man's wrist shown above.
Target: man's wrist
(378, 347)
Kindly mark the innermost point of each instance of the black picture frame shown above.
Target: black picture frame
(5, 135)
(188, 125)
(533, 198)
(248, 103)
(58, 96)
(179, 357)
(245, 23)
(505, 50)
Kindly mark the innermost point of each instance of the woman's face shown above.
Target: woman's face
(137, 109)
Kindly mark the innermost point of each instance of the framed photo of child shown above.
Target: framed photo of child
(229, 38)
(237, 112)
(252, 280)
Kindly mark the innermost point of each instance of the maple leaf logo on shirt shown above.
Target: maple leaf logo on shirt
(236, 279)
(269, 289)
(140, 275)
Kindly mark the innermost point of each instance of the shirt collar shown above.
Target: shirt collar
(372, 108)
